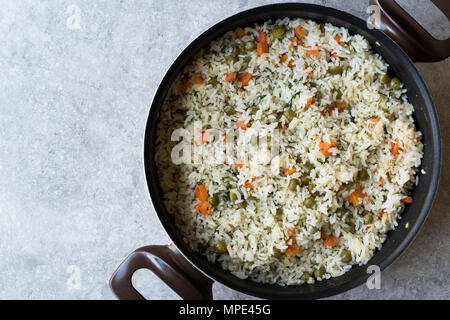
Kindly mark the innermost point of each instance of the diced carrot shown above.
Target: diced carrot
(241, 124)
(329, 241)
(261, 45)
(201, 193)
(239, 163)
(313, 52)
(290, 232)
(261, 48)
(395, 147)
(325, 147)
(341, 187)
(335, 55)
(283, 58)
(262, 37)
(245, 79)
(241, 32)
(198, 80)
(291, 243)
(355, 197)
(291, 64)
(381, 213)
(205, 137)
(407, 200)
(249, 184)
(330, 110)
(299, 33)
(184, 85)
(230, 77)
(203, 207)
(381, 181)
(310, 74)
(289, 171)
(338, 39)
(308, 102)
(293, 43)
(340, 104)
(375, 120)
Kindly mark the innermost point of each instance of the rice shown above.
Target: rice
(321, 194)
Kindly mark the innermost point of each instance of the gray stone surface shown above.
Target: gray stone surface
(73, 107)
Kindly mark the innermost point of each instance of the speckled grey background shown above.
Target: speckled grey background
(73, 107)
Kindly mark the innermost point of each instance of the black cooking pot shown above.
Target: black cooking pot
(189, 273)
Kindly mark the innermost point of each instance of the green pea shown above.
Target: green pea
(350, 228)
(289, 114)
(213, 81)
(368, 218)
(346, 256)
(309, 202)
(242, 205)
(233, 196)
(311, 187)
(319, 273)
(363, 175)
(305, 276)
(214, 200)
(277, 253)
(278, 31)
(220, 247)
(307, 167)
(306, 181)
(385, 78)
(335, 70)
(293, 184)
(395, 83)
(279, 212)
(230, 111)
(231, 58)
(250, 46)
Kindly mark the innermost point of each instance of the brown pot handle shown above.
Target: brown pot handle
(169, 265)
(411, 36)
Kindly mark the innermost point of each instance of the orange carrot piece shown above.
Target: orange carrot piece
(184, 85)
(239, 163)
(203, 207)
(283, 58)
(291, 64)
(289, 171)
(241, 32)
(355, 197)
(290, 232)
(198, 80)
(310, 74)
(299, 33)
(395, 147)
(291, 243)
(340, 104)
(293, 43)
(241, 124)
(381, 181)
(338, 39)
(205, 137)
(245, 79)
(308, 102)
(329, 241)
(312, 52)
(261, 45)
(375, 120)
(335, 55)
(230, 77)
(407, 200)
(249, 184)
(325, 147)
(201, 193)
